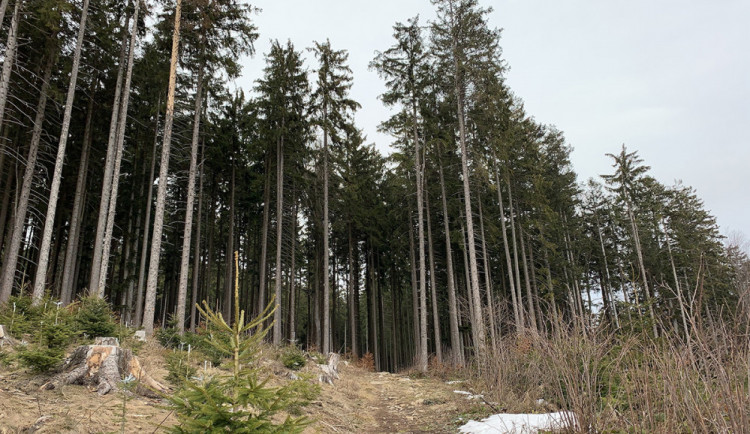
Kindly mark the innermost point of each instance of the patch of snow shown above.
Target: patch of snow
(519, 423)
(469, 395)
(454, 381)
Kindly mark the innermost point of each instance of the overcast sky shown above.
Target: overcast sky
(669, 79)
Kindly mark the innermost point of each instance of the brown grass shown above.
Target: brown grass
(616, 381)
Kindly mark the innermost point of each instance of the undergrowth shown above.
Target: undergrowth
(48, 329)
(625, 380)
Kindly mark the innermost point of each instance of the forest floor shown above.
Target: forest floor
(360, 401)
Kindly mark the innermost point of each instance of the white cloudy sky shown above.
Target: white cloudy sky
(670, 79)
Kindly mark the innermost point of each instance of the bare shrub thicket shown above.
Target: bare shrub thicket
(619, 380)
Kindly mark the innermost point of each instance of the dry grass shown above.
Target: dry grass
(618, 381)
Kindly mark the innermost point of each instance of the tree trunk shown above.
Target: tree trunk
(529, 294)
(458, 352)
(10, 54)
(7, 190)
(421, 251)
(639, 252)
(161, 194)
(41, 271)
(115, 183)
(508, 259)
(188, 230)
(279, 232)
(683, 312)
(66, 291)
(414, 291)
(3, 7)
(197, 252)
(352, 277)
(293, 274)
(11, 256)
(477, 323)
(612, 301)
(512, 212)
(487, 279)
(146, 224)
(101, 225)
(433, 289)
(326, 282)
(264, 240)
(228, 278)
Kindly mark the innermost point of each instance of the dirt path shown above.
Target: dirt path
(389, 403)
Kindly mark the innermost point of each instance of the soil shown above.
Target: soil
(360, 401)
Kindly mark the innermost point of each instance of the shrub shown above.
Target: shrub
(169, 337)
(54, 333)
(179, 367)
(367, 362)
(20, 317)
(293, 358)
(306, 390)
(317, 357)
(94, 317)
(39, 358)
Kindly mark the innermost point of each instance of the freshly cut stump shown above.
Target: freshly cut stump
(105, 366)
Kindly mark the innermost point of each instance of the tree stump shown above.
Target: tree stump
(105, 366)
(5, 338)
(330, 370)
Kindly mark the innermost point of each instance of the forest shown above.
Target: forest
(131, 169)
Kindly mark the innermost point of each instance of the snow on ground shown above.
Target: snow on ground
(519, 423)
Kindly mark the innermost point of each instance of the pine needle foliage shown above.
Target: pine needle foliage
(238, 402)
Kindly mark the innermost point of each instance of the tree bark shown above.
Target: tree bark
(146, 226)
(477, 323)
(115, 183)
(612, 301)
(3, 7)
(41, 271)
(487, 280)
(683, 312)
(421, 251)
(433, 289)
(197, 252)
(10, 54)
(66, 291)
(262, 289)
(161, 194)
(228, 278)
(292, 278)
(11, 256)
(101, 225)
(327, 281)
(279, 232)
(414, 291)
(188, 230)
(508, 259)
(352, 276)
(512, 211)
(527, 280)
(456, 348)
(642, 267)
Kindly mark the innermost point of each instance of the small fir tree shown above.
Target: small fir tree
(239, 402)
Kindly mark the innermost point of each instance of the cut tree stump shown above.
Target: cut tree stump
(330, 370)
(5, 338)
(105, 366)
